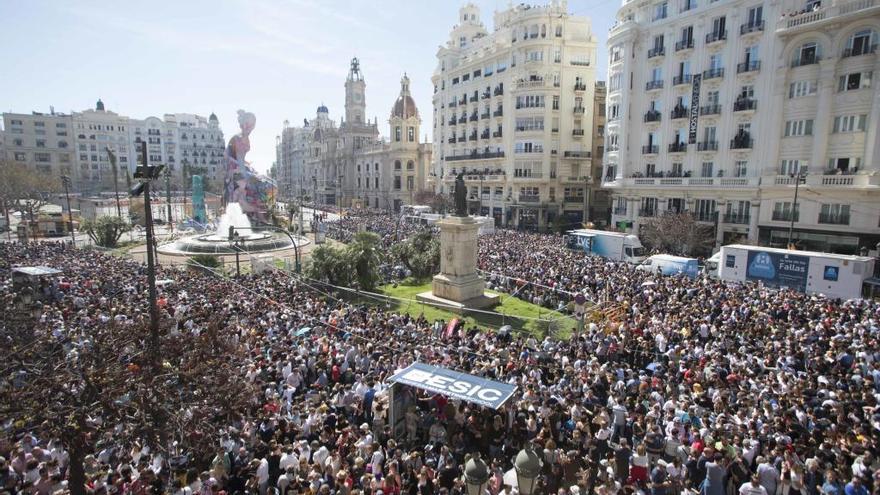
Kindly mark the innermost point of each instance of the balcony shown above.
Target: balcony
(647, 212)
(574, 199)
(863, 50)
(527, 174)
(682, 79)
(577, 132)
(710, 109)
(713, 73)
(462, 119)
(650, 149)
(834, 219)
(751, 27)
(612, 148)
(498, 92)
(678, 147)
(716, 36)
(620, 210)
(657, 51)
(472, 137)
(474, 117)
(529, 129)
(831, 13)
(497, 134)
(745, 105)
(750, 66)
(529, 198)
(451, 140)
(804, 61)
(652, 85)
(578, 110)
(684, 45)
(498, 113)
(452, 121)
(705, 216)
(485, 95)
(785, 216)
(473, 99)
(461, 139)
(707, 146)
(577, 154)
(679, 113)
(484, 115)
(475, 155)
(580, 87)
(739, 218)
(741, 143)
(463, 101)
(666, 182)
(653, 116)
(484, 134)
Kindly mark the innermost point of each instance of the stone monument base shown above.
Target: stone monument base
(482, 301)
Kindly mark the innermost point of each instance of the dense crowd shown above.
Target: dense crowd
(701, 386)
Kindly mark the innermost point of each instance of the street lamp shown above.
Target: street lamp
(112, 155)
(798, 177)
(527, 466)
(476, 475)
(66, 181)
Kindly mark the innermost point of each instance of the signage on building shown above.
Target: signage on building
(454, 384)
(695, 109)
(778, 270)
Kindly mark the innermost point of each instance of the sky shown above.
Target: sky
(279, 59)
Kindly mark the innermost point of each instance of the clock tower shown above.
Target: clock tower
(355, 102)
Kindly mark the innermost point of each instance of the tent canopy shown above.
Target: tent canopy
(469, 388)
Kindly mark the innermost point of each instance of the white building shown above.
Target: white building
(712, 106)
(513, 110)
(76, 145)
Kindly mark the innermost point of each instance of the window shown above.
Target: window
(706, 169)
(799, 128)
(747, 91)
(860, 43)
(397, 182)
(18, 142)
(677, 169)
(807, 54)
(410, 134)
(410, 182)
(782, 211)
(41, 143)
(649, 207)
(704, 210)
(709, 134)
(656, 74)
(715, 62)
(790, 167)
(854, 81)
(850, 123)
(397, 135)
(740, 168)
(397, 165)
(687, 36)
(614, 82)
(688, 5)
(558, 31)
(62, 144)
(530, 101)
(42, 157)
(836, 214)
(844, 164)
(410, 165)
(20, 157)
(557, 55)
(38, 123)
(719, 27)
(555, 102)
(756, 15)
(730, 261)
(798, 89)
(15, 122)
(660, 11)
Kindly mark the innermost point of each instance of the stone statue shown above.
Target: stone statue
(460, 196)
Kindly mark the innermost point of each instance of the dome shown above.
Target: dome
(100, 105)
(405, 106)
(213, 117)
(323, 109)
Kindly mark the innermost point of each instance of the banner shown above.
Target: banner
(695, 108)
(450, 383)
(778, 270)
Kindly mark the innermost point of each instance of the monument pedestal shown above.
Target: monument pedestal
(458, 287)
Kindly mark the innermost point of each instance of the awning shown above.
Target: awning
(469, 388)
(36, 271)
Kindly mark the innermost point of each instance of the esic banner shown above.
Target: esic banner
(451, 383)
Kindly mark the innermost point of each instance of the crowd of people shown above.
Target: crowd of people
(699, 387)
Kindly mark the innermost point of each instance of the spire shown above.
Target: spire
(354, 73)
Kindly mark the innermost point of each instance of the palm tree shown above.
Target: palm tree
(363, 254)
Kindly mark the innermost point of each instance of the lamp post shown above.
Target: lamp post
(168, 197)
(186, 180)
(66, 181)
(314, 202)
(476, 475)
(798, 177)
(527, 466)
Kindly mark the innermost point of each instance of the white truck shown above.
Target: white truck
(612, 245)
(832, 275)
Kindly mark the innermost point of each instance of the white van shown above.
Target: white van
(666, 264)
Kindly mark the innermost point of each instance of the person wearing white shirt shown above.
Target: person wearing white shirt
(752, 487)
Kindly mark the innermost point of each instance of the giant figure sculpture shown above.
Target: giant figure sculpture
(200, 216)
(242, 184)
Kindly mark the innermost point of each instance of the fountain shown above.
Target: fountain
(254, 241)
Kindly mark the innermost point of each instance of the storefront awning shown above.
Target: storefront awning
(469, 388)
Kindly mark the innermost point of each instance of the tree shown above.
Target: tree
(203, 263)
(438, 202)
(106, 231)
(420, 253)
(329, 264)
(363, 255)
(102, 384)
(679, 234)
(25, 190)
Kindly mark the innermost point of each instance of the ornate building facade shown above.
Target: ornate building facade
(349, 164)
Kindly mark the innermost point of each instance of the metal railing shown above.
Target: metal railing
(750, 66)
(653, 116)
(684, 45)
(751, 27)
(713, 73)
(682, 79)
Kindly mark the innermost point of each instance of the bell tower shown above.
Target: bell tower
(355, 99)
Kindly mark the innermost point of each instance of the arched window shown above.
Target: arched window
(397, 136)
(559, 31)
(807, 54)
(543, 30)
(410, 165)
(411, 134)
(397, 165)
(862, 42)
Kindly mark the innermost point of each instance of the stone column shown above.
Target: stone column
(754, 211)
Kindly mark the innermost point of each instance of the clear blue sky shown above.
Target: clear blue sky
(277, 58)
